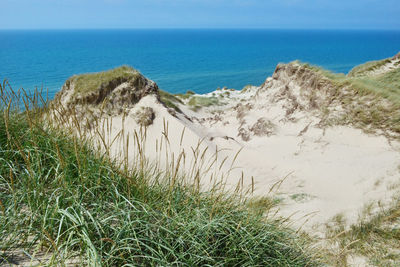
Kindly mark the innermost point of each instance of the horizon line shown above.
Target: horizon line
(202, 28)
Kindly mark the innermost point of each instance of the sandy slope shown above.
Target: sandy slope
(325, 170)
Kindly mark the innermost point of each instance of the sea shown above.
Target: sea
(178, 60)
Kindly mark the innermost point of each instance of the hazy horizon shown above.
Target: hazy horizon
(196, 14)
(200, 29)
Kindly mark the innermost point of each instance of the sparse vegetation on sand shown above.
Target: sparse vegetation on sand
(246, 88)
(371, 102)
(197, 102)
(170, 100)
(374, 102)
(362, 69)
(375, 237)
(145, 116)
(187, 95)
(62, 202)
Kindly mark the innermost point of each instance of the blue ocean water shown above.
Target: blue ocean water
(181, 60)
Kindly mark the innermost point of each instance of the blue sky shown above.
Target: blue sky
(289, 14)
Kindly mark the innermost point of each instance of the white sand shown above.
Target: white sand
(326, 171)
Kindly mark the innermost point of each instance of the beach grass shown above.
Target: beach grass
(386, 85)
(63, 203)
(371, 102)
(197, 102)
(170, 100)
(363, 69)
(89, 82)
(375, 237)
(186, 95)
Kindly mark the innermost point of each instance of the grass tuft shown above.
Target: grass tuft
(375, 237)
(89, 82)
(61, 202)
(170, 100)
(197, 102)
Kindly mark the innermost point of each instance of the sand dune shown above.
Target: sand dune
(283, 137)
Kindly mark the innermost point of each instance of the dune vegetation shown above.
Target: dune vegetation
(86, 83)
(371, 102)
(170, 100)
(362, 69)
(375, 237)
(196, 102)
(62, 202)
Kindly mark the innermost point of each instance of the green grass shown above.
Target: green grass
(263, 204)
(386, 85)
(362, 69)
(370, 102)
(187, 95)
(391, 80)
(376, 236)
(86, 83)
(89, 82)
(170, 100)
(61, 201)
(197, 102)
(301, 197)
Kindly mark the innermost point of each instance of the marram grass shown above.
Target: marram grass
(86, 83)
(371, 102)
(62, 203)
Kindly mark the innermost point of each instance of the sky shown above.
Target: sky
(275, 14)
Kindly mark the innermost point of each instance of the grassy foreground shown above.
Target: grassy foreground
(62, 203)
